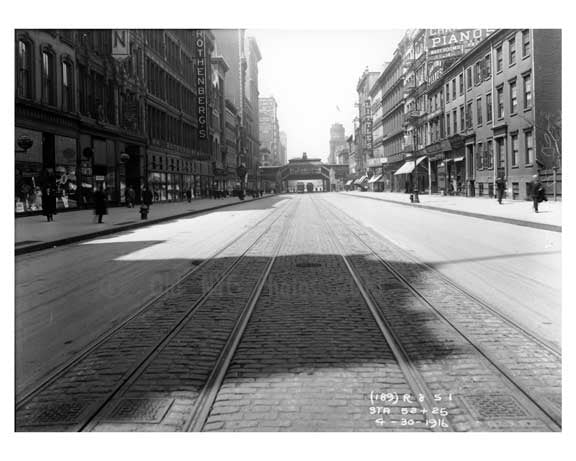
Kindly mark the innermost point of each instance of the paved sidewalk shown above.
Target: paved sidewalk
(518, 212)
(34, 233)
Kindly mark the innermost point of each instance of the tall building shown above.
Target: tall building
(269, 132)
(242, 55)
(337, 140)
(365, 162)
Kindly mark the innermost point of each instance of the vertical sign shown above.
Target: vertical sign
(120, 44)
(368, 125)
(201, 84)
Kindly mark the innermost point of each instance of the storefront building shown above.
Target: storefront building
(78, 119)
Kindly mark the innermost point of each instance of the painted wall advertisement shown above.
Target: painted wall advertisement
(448, 43)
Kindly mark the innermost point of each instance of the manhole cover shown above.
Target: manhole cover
(53, 413)
(140, 410)
(26, 242)
(489, 406)
(308, 265)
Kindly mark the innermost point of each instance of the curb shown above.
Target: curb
(144, 223)
(516, 222)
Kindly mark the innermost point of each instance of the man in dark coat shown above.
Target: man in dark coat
(49, 204)
(146, 202)
(100, 204)
(500, 188)
(537, 192)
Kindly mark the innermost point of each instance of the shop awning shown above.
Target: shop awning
(459, 159)
(349, 182)
(408, 166)
(374, 178)
(361, 180)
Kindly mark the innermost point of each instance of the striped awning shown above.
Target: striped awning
(374, 178)
(408, 166)
(361, 180)
(349, 182)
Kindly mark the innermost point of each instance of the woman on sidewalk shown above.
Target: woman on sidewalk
(100, 205)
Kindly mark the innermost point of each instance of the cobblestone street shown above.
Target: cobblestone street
(306, 321)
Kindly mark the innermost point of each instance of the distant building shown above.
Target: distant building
(337, 140)
(269, 131)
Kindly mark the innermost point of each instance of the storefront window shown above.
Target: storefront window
(157, 185)
(66, 186)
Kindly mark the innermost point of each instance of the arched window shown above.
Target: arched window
(48, 76)
(67, 85)
(24, 78)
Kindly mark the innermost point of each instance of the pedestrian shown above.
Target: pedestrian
(500, 187)
(100, 204)
(130, 195)
(537, 192)
(49, 204)
(146, 202)
(189, 195)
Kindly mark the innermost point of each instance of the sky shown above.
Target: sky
(313, 74)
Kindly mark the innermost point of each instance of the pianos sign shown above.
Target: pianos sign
(448, 43)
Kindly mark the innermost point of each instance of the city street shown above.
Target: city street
(302, 312)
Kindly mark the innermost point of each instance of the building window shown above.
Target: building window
(48, 78)
(469, 115)
(479, 111)
(67, 87)
(499, 59)
(479, 156)
(525, 43)
(512, 51)
(469, 78)
(529, 145)
(462, 118)
(447, 124)
(454, 89)
(513, 97)
(461, 83)
(478, 73)
(527, 91)
(488, 66)
(514, 146)
(24, 69)
(488, 107)
(447, 92)
(500, 102)
(489, 162)
(454, 122)
(500, 154)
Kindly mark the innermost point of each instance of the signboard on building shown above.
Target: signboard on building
(368, 128)
(448, 43)
(201, 85)
(120, 44)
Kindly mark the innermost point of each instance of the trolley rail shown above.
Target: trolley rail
(124, 376)
(549, 411)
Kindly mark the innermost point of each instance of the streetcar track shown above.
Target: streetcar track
(275, 216)
(209, 392)
(549, 413)
(542, 342)
(413, 377)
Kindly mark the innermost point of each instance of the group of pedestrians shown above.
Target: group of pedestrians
(100, 201)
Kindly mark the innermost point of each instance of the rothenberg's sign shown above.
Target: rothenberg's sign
(447, 43)
(201, 85)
